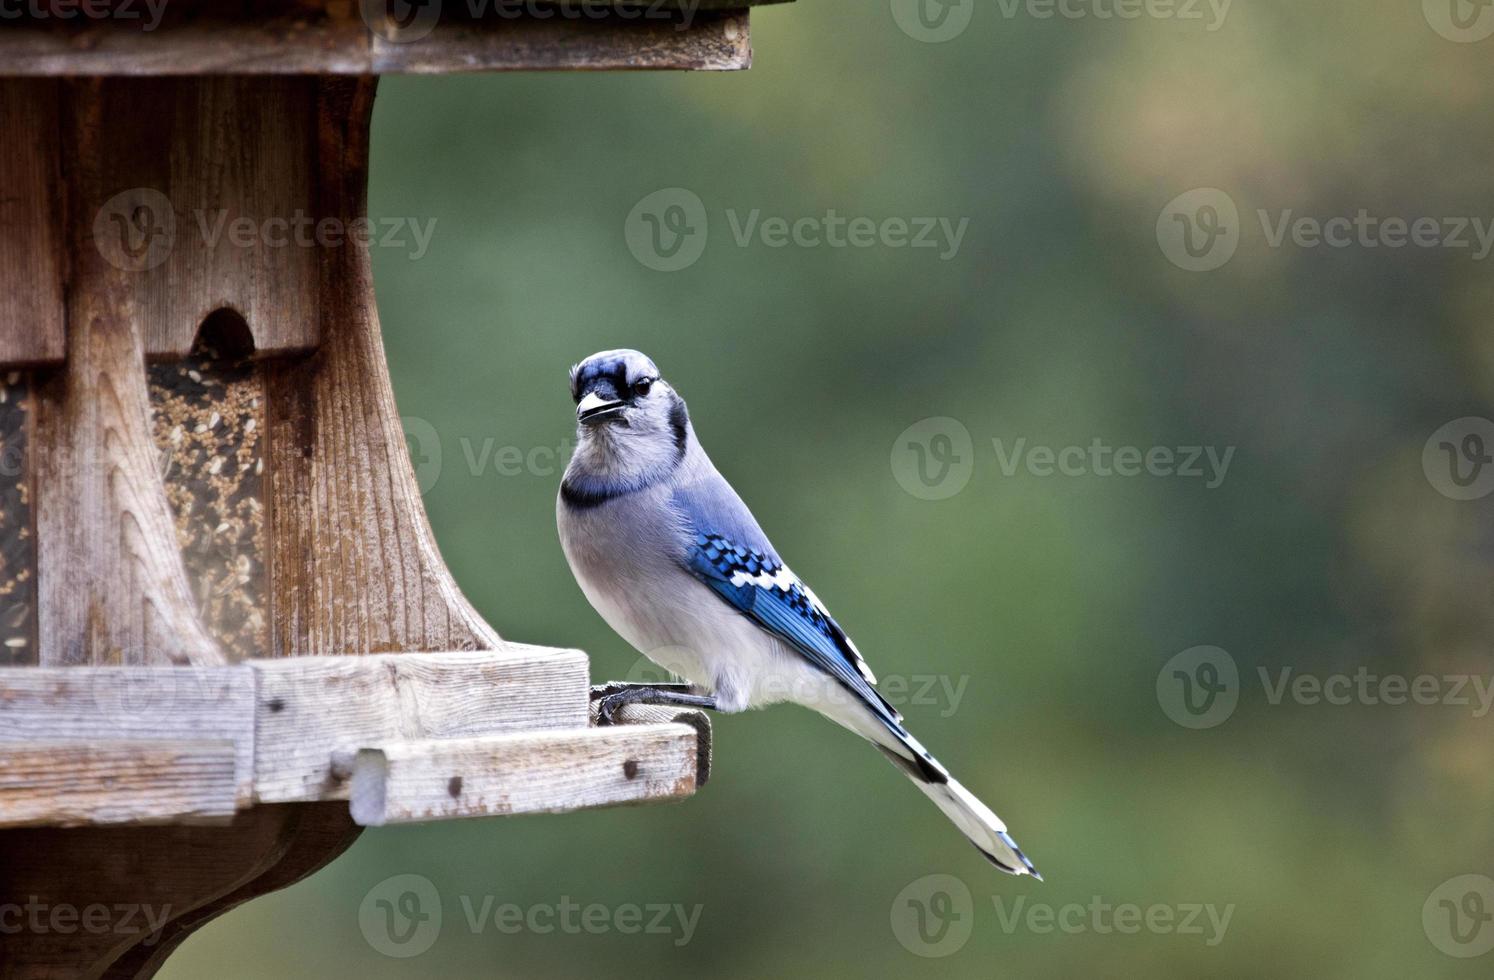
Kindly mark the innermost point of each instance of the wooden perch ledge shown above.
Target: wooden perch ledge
(406, 737)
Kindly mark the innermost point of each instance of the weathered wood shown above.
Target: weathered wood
(112, 585)
(353, 563)
(31, 315)
(527, 772)
(47, 783)
(654, 714)
(313, 835)
(99, 705)
(146, 877)
(308, 708)
(711, 42)
(336, 37)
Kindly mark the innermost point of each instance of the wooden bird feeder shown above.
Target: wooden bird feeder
(227, 638)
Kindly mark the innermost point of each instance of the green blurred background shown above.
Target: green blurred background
(1050, 604)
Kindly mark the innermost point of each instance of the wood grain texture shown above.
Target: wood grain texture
(112, 585)
(711, 41)
(331, 37)
(525, 772)
(309, 708)
(48, 783)
(312, 835)
(654, 714)
(31, 270)
(133, 704)
(240, 181)
(167, 872)
(353, 563)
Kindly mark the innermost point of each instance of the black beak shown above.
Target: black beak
(594, 409)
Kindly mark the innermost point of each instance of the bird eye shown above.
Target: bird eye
(643, 386)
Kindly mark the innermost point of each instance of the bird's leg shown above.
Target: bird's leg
(614, 697)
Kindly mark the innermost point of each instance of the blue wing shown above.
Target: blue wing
(760, 586)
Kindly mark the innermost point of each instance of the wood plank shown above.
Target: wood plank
(353, 564)
(654, 714)
(31, 314)
(287, 38)
(527, 772)
(307, 708)
(76, 784)
(112, 585)
(712, 41)
(132, 704)
(241, 155)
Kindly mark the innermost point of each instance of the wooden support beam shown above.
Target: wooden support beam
(31, 319)
(654, 714)
(101, 705)
(526, 772)
(307, 708)
(359, 37)
(96, 783)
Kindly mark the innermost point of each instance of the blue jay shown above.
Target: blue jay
(668, 554)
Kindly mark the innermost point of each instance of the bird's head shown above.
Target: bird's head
(629, 420)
